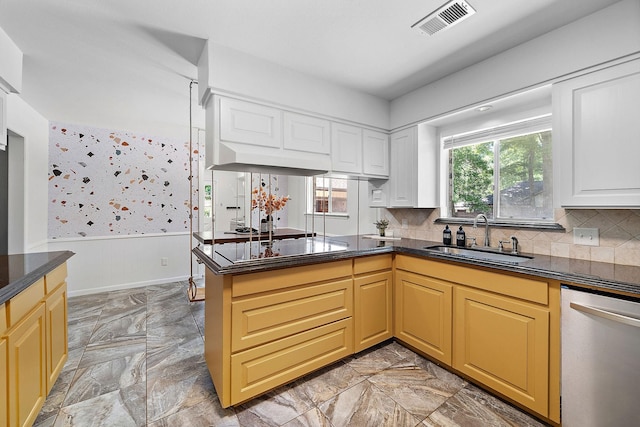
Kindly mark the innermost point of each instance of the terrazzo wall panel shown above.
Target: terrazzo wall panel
(106, 183)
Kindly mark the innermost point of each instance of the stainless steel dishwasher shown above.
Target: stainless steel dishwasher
(600, 359)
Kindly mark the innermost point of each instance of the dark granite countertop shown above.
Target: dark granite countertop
(19, 271)
(238, 258)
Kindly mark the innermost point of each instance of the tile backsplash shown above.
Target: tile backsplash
(619, 231)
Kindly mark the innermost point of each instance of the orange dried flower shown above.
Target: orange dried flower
(267, 203)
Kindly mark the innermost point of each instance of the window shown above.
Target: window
(503, 172)
(327, 195)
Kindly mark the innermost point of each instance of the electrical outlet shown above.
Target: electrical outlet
(405, 223)
(164, 261)
(586, 236)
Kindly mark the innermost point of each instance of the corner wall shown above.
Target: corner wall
(23, 120)
(611, 33)
(226, 70)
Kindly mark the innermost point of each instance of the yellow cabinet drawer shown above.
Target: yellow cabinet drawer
(25, 301)
(55, 278)
(372, 263)
(263, 368)
(272, 316)
(249, 284)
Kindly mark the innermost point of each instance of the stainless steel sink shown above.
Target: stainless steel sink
(480, 254)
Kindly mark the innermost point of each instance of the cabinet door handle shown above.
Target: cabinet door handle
(620, 318)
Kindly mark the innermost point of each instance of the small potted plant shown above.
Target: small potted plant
(381, 225)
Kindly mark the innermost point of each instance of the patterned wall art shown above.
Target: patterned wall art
(106, 183)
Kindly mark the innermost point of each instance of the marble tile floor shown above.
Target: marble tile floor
(136, 358)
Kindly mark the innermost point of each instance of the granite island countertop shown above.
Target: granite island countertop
(238, 258)
(19, 271)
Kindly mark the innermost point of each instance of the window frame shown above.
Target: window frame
(310, 203)
(495, 134)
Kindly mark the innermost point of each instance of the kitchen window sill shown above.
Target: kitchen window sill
(328, 215)
(550, 226)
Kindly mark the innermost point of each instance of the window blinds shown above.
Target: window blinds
(510, 130)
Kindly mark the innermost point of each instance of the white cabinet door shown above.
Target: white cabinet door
(378, 193)
(346, 148)
(403, 176)
(375, 153)
(596, 138)
(305, 133)
(250, 123)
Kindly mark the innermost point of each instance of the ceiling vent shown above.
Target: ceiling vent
(448, 15)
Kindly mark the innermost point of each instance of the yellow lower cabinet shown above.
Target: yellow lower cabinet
(373, 309)
(263, 368)
(503, 343)
(26, 345)
(56, 307)
(4, 375)
(373, 300)
(4, 382)
(423, 314)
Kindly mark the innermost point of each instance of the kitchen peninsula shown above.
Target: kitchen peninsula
(272, 319)
(33, 331)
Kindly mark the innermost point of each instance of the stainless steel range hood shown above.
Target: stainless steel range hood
(245, 158)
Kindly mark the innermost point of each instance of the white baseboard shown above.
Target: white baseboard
(129, 286)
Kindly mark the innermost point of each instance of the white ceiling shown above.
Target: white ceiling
(127, 64)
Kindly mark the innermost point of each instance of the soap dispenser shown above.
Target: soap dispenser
(461, 239)
(446, 236)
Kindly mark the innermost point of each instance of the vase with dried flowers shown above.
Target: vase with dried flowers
(268, 203)
(381, 225)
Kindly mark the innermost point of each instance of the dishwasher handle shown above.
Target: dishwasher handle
(620, 318)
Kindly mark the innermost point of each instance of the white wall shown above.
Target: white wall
(606, 35)
(229, 71)
(110, 263)
(23, 120)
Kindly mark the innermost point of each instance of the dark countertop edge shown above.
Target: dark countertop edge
(14, 288)
(285, 262)
(579, 279)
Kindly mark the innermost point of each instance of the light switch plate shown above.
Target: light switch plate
(586, 236)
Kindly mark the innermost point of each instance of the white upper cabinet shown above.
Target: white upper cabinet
(250, 123)
(403, 171)
(306, 133)
(375, 153)
(596, 138)
(359, 152)
(346, 148)
(413, 175)
(243, 134)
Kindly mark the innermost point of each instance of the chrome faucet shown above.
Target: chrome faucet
(486, 227)
(514, 245)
